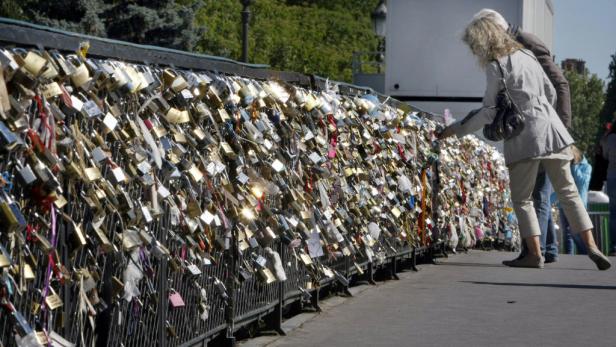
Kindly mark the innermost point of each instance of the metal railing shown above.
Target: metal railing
(601, 230)
(151, 320)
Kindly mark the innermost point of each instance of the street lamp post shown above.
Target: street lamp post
(379, 19)
(245, 20)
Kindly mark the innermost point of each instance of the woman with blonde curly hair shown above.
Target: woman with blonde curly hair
(544, 139)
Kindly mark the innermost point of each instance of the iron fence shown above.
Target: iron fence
(221, 299)
(601, 230)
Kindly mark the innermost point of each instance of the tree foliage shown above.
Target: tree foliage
(160, 22)
(163, 23)
(586, 102)
(309, 36)
(317, 36)
(608, 112)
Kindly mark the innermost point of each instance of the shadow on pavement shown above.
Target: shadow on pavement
(452, 263)
(500, 266)
(547, 285)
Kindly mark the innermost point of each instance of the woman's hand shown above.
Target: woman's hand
(447, 132)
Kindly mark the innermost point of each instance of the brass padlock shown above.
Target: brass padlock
(34, 63)
(53, 301)
(12, 218)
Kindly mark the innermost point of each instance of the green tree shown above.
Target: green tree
(12, 9)
(309, 36)
(160, 22)
(165, 23)
(306, 36)
(586, 102)
(83, 16)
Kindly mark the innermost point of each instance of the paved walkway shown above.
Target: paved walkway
(470, 300)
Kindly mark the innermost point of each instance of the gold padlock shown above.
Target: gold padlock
(105, 244)
(8, 216)
(34, 63)
(4, 259)
(227, 150)
(266, 275)
(92, 174)
(175, 116)
(195, 173)
(81, 76)
(51, 90)
(28, 273)
(41, 338)
(53, 301)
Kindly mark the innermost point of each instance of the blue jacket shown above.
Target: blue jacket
(581, 175)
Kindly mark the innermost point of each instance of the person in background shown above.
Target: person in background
(543, 188)
(544, 140)
(608, 147)
(581, 171)
(599, 170)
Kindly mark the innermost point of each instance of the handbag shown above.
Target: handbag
(509, 120)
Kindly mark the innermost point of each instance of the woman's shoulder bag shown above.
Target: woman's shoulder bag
(509, 120)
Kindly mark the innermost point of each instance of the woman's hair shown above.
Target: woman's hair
(493, 15)
(577, 154)
(487, 39)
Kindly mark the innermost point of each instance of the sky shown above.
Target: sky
(586, 29)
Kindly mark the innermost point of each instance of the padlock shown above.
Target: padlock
(9, 141)
(30, 60)
(80, 75)
(221, 289)
(12, 217)
(43, 173)
(175, 299)
(25, 175)
(65, 67)
(5, 258)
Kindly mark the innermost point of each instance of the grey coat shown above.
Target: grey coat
(554, 73)
(544, 133)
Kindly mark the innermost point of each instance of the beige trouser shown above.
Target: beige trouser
(522, 177)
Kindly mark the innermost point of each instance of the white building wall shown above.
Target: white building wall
(538, 18)
(426, 58)
(424, 52)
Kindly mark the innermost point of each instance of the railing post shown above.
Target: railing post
(370, 273)
(163, 305)
(314, 300)
(414, 259)
(277, 314)
(232, 274)
(163, 289)
(393, 267)
(345, 288)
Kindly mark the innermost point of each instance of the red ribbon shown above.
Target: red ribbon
(36, 140)
(308, 186)
(260, 202)
(401, 152)
(45, 121)
(377, 147)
